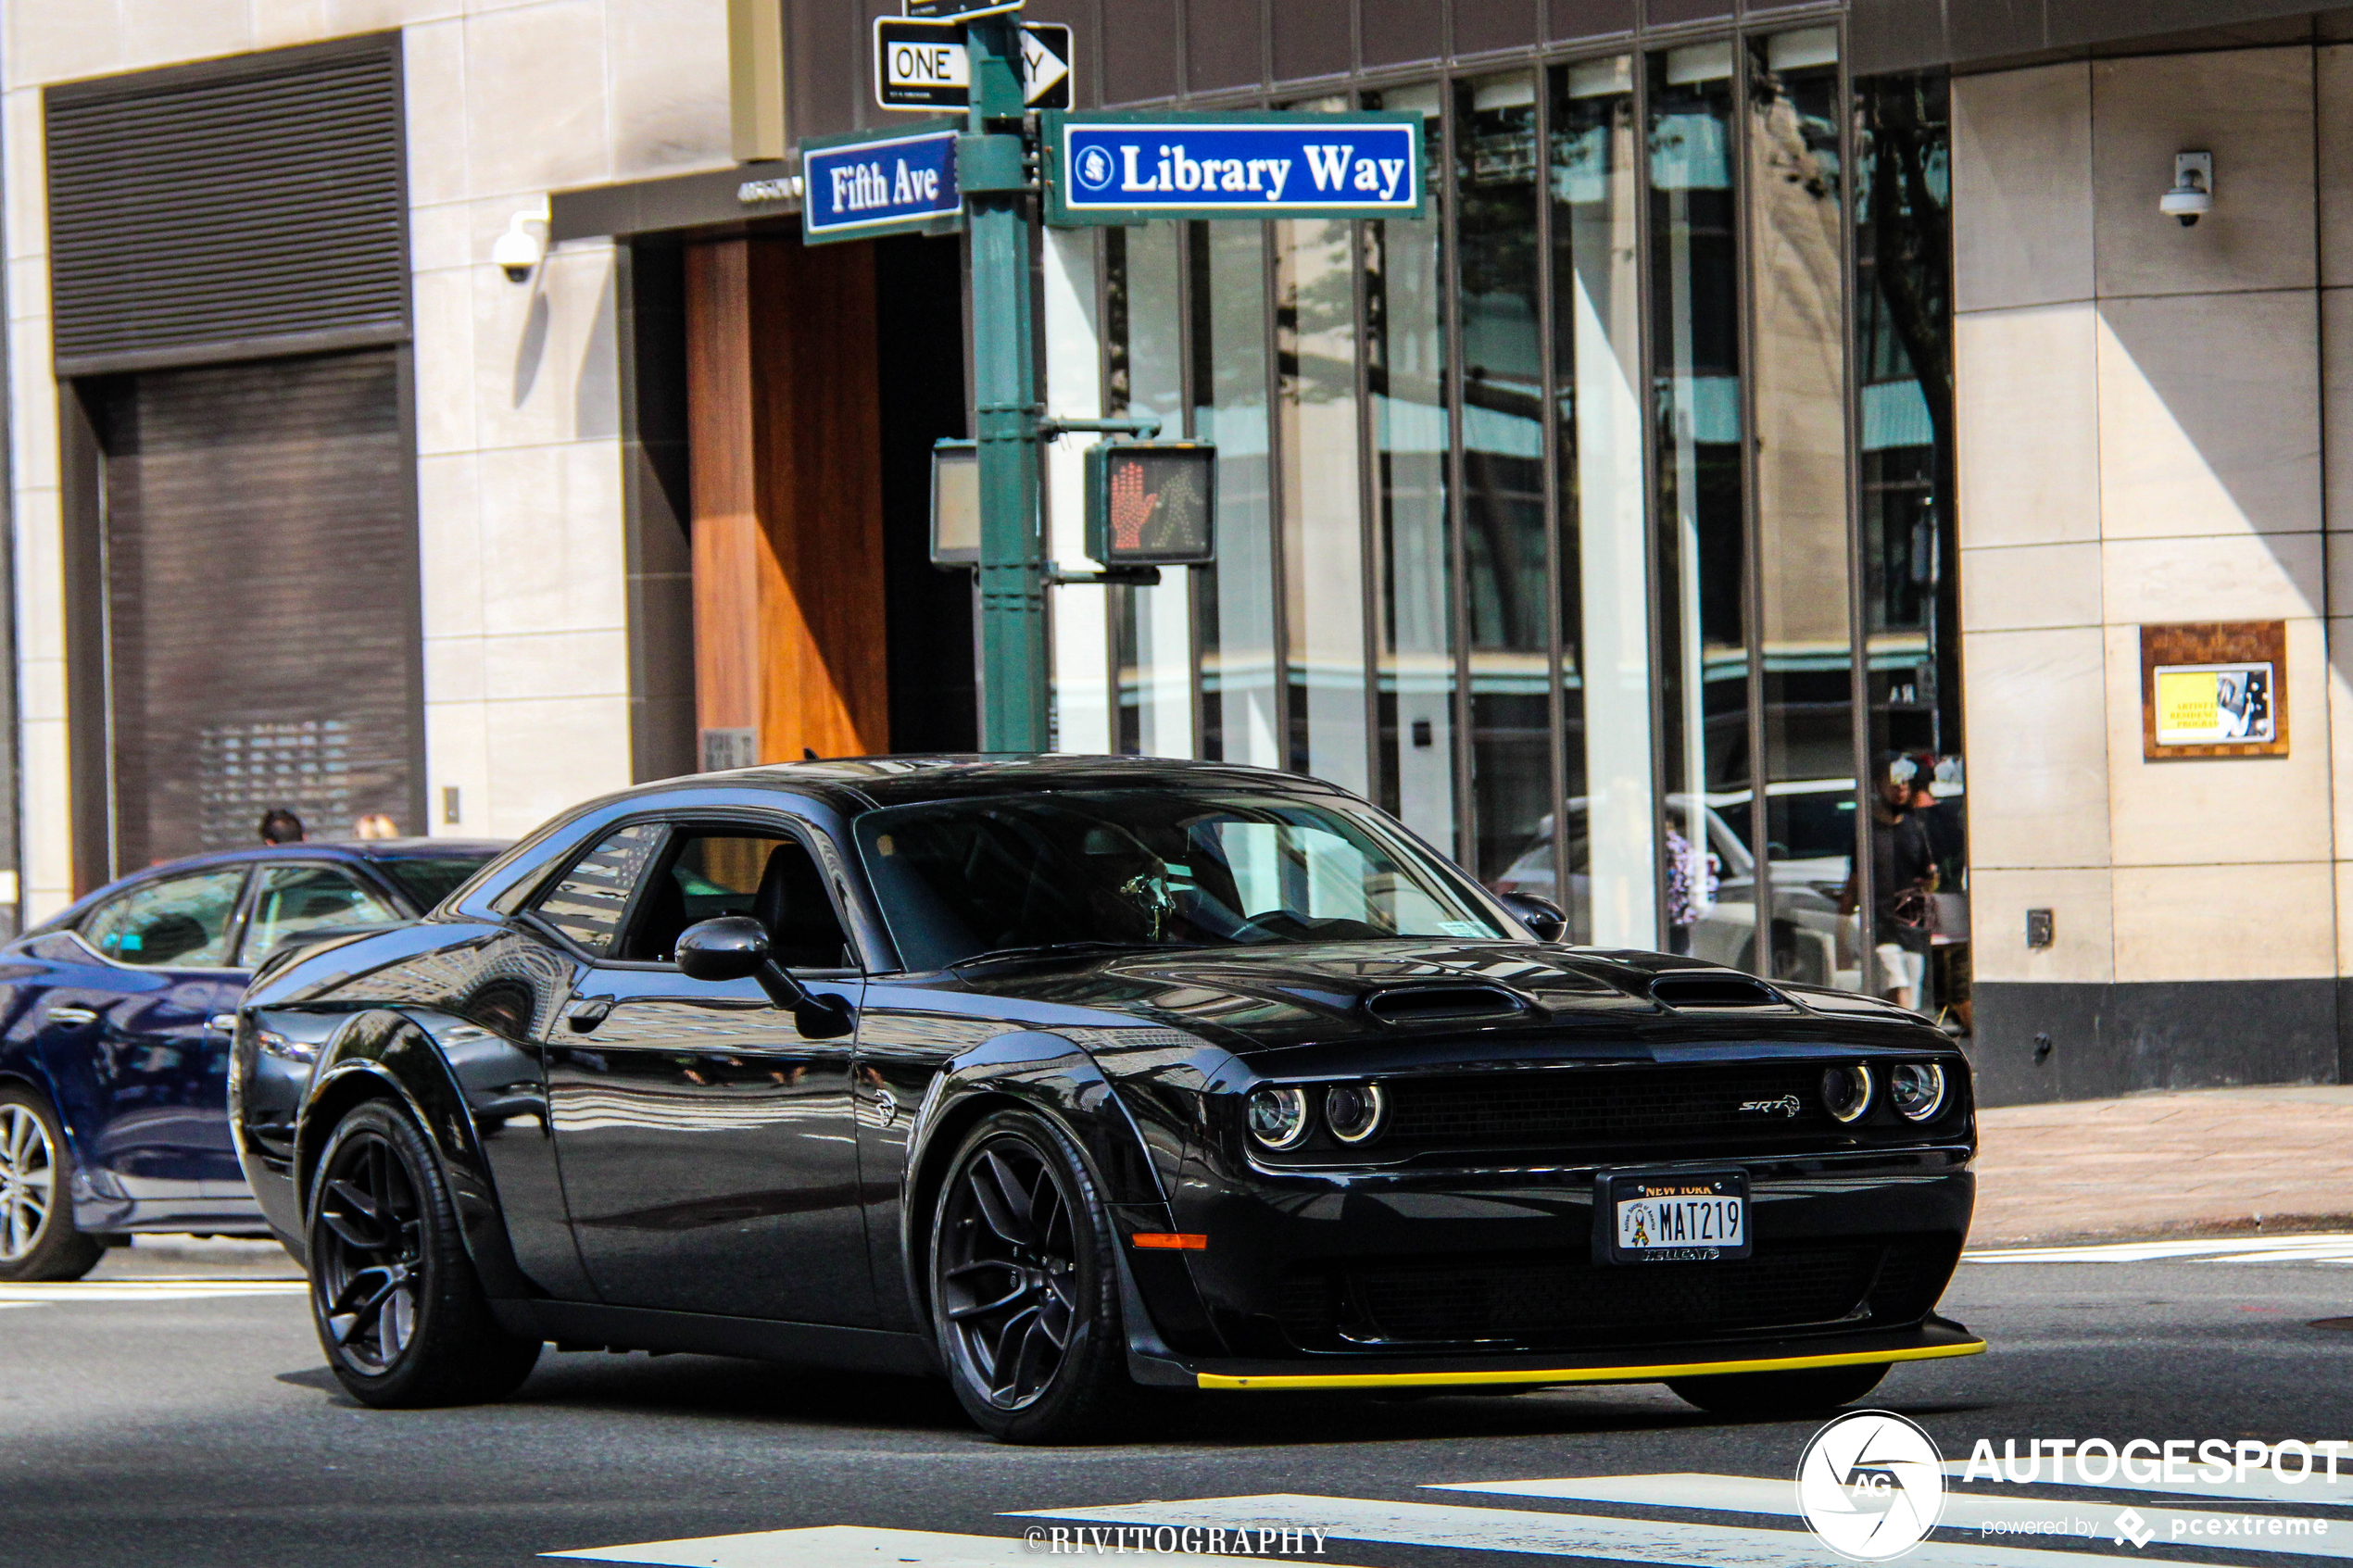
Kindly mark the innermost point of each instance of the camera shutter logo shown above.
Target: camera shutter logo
(1094, 167)
(1871, 1484)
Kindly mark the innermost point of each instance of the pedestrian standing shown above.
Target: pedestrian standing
(281, 826)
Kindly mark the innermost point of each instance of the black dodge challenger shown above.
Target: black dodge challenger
(1066, 1075)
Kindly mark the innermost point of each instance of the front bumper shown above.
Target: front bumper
(1935, 1339)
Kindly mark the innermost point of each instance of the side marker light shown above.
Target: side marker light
(1170, 1241)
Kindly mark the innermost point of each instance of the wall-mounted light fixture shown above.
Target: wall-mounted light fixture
(2192, 196)
(522, 246)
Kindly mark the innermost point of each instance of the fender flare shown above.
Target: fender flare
(1056, 1079)
(388, 1055)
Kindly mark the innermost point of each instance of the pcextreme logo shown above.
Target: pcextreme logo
(1871, 1484)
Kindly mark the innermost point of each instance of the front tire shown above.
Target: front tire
(398, 1308)
(1772, 1394)
(37, 1237)
(1025, 1286)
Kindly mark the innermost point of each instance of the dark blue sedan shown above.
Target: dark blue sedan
(115, 1026)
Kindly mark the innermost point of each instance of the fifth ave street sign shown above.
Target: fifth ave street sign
(922, 64)
(1112, 169)
(857, 187)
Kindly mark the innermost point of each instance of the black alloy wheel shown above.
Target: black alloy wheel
(1025, 1286)
(37, 1237)
(395, 1301)
(1772, 1396)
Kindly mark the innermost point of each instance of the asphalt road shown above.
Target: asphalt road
(141, 1426)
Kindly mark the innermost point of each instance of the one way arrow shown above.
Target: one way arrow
(1042, 68)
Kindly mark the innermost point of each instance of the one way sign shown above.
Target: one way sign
(922, 64)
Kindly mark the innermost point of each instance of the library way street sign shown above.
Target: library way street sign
(922, 65)
(1113, 168)
(856, 187)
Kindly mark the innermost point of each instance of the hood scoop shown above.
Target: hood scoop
(1703, 990)
(1443, 1004)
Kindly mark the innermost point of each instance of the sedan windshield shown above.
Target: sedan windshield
(1145, 868)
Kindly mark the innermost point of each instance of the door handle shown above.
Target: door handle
(73, 1014)
(585, 1016)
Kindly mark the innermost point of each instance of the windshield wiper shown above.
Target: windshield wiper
(1050, 949)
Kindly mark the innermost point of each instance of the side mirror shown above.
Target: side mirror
(1541, 916)
(733, 947)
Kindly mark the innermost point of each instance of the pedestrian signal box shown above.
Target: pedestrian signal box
(955, 504)
(1152, 503)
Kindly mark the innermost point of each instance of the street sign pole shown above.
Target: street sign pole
(1013, 599)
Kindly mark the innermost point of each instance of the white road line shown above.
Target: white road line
(2318, 1492)
(1670, 1543)
(145, 1290)
(1989, 1516)
(2334, 1247)
(853, 1546)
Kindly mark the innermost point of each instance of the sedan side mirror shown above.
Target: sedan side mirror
(1541, 916)
(733, 947)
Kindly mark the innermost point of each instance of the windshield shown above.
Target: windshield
(1148, 868)
(427, 883)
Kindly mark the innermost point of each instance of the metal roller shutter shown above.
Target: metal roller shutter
(229, 210)
(261, 564)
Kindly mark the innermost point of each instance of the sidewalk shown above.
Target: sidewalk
(2190, 1163)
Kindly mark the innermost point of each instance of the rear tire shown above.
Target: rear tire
(1768, 1394)
(37, 1237)
(1025, 1287)
(398, 1308)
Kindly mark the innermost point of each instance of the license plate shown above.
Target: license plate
(1643, 1217)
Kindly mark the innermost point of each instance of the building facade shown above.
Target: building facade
(1750, 507)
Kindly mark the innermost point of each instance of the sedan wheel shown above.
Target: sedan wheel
(394, 1296)
(37, 1237)
(1024, 1285)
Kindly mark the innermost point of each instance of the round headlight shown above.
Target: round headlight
(1277, 1116)
(1917, 1089)
(1846, 1092)
(1352, 1110)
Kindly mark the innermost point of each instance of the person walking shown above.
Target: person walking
(281, 826)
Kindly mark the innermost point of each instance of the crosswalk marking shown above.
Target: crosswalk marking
(32, 1294)
(2088, 1522)
(851, 1545)
(2318, 1492)
(2333, 1248)
(1672, 1543)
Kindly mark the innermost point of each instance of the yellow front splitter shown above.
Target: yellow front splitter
(1584, 1374)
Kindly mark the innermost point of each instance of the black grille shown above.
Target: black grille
(1547, 1299)
(1601, 1105)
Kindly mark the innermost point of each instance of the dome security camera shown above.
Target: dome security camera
(2192, 196)
(522, 247)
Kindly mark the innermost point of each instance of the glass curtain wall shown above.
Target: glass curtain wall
(1413, 539)
(1797, 391)
(1234, 600)
(1918, 911)
(1701, 594)
(1508, 595)
(1315, 340)
(1572, 520)
(1152, 648)
(1610, 812)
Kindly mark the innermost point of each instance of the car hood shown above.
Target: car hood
(1511, 998)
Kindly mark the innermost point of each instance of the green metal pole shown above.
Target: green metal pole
(1012, 601)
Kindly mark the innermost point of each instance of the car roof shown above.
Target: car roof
(855, 784)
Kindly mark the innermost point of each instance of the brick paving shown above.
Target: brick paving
(2191, 1162)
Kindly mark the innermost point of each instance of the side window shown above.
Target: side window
(181, 920)
(727, 872)
(586, 906)
(292, 899)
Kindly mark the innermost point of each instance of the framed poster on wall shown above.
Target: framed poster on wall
(2216, 688)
